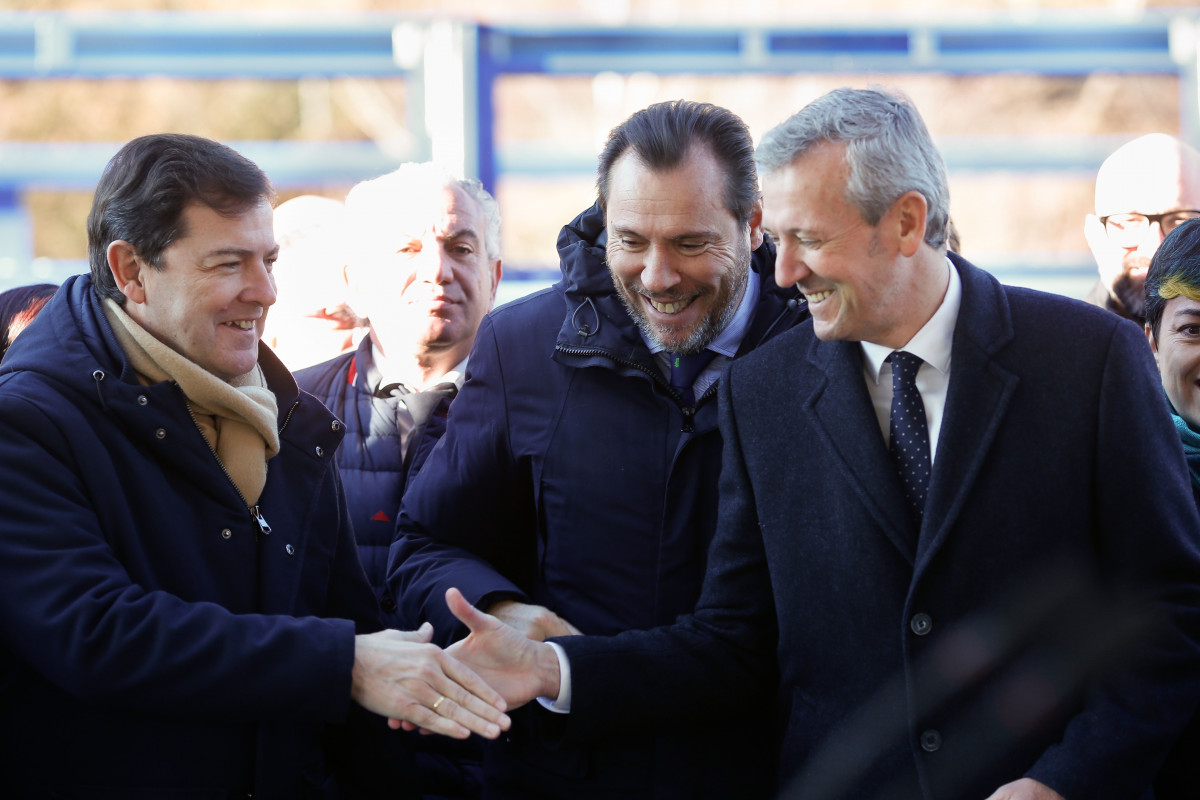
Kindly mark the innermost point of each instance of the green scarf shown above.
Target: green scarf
(1191, 447)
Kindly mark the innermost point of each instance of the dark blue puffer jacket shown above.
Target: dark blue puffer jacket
(571, 476)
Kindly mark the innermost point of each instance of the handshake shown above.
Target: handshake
(503, 663)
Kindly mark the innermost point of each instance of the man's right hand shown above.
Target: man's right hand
(518, 667)
(534, 622)
(404, 677)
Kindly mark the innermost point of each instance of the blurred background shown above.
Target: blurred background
(1024, 98)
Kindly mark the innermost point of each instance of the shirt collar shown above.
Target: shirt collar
(378, 374)
(933, 342)
(728, 340)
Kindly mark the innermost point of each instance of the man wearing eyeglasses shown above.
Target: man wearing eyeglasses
(1143, 191)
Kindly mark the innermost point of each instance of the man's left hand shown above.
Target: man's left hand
(1025, 789)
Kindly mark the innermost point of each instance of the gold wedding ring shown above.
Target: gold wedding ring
(438, 702)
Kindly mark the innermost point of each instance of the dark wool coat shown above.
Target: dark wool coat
(155, 639)
(571, 477)
(943, 662)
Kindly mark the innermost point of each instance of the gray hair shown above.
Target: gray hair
(413, 178)
(888, 152)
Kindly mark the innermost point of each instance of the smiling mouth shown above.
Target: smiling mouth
(670, 308)
(814, 298)
(242, 324)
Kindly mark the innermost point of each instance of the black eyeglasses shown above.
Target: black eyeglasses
(1128, 230)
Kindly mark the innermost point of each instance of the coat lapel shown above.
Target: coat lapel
(844, 419)
(978, 397)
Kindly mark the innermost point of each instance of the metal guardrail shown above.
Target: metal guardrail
(452, 66)
(212, 45)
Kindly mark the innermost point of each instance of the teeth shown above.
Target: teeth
(817, 297)
(669, 308)
(244, 324)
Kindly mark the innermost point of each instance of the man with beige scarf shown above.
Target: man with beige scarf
(182, 607)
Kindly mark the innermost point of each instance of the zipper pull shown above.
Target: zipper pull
(260, 520)
(689, 416)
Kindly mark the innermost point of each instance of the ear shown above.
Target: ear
(1150, 339)
(127, 270)
(756, 224)
(497, 271)
(911, 212)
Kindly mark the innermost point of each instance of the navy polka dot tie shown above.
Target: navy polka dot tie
(909, 440)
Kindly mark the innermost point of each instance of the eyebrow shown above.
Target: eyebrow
(791, 230)
(699, 234)
(240, 252)
(465, 233)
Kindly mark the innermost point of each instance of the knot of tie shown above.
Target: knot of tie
(422, 403)
(908, 442)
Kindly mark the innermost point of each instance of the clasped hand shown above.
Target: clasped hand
(517, 667)
(416, 684)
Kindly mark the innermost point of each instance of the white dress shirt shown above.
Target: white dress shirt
(932, 345)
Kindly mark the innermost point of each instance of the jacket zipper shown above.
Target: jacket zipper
(689, 412)
(255, 511)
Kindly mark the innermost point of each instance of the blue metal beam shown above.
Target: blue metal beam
(1049, 44)
(198, 45)
(204, 46)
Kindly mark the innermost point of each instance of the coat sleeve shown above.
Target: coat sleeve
(1150, 546)
(70, 611)
(466, 519)
(682, 674)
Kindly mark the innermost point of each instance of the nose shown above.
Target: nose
(658, 270)
(790, 267)
(260, 286)
(434, 265)
(1151, 239)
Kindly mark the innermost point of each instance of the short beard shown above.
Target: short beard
(1130, 292)
(724, 307)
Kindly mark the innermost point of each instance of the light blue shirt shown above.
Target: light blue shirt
(725, 345)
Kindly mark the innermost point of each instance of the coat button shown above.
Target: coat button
(921, 624)
(161, 433)
(226, 533)
(142, 400)
(387, 604)
(931, 741)
(320, 451)
(291, 551)
(336, 425)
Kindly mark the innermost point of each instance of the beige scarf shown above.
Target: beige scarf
(237, 418)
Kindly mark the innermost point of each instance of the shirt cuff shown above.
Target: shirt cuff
(562, 703)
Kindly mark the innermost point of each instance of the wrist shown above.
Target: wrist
(546, 668)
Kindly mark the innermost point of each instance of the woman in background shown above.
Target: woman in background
(1173, 329)
(18, 307)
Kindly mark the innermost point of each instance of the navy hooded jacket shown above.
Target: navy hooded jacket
(156, 640)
